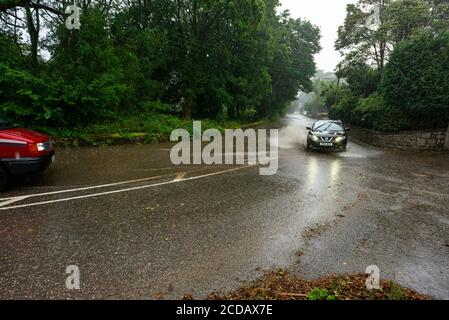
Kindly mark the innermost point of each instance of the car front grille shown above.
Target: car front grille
(327, 139)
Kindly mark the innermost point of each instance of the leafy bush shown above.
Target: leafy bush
(416, 82)
(346, 104)
(248, 116)
(10, 51)
(24, 96)
(372, 113)
(396, 292)
(362, 79)
(367, 109)
(158, 107)
(336, 112)
(32, 100)
(320, 294)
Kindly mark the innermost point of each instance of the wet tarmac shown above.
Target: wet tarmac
(139, 227)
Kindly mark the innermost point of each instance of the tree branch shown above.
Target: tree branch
(11, 4)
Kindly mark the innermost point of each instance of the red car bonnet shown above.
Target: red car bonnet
(25, 135)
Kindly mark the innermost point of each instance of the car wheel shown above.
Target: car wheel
(307, 146)
(4, 177)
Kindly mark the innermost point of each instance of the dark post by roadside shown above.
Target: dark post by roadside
(446, 142)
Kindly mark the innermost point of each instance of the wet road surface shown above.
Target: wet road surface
(139, 227)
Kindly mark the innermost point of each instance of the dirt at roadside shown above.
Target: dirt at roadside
(282, 285)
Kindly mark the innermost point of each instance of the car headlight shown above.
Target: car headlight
(314, 137)
(40, 146)
(340, 139)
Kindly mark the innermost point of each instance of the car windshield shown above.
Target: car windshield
(327, 126)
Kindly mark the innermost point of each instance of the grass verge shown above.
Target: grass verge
(143, 128)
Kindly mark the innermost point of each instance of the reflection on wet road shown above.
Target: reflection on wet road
(161, 231)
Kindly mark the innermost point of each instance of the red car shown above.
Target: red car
(22, 152)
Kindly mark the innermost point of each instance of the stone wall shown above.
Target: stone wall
(433, 140)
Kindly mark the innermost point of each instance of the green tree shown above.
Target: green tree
(294, 42)
(440, 15)
(89, 74)
(398, 20)
(240, 59)
(416, 81)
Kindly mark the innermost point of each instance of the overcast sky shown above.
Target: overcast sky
(328, 15)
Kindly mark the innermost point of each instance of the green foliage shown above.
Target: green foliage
(249, 116)
(416, 81)
(294, 42)
(336, 112)
(406, 18)
(362, 80)
(157, 107)
(411, 90)
(202, 59)
(396, 292)
(87, 53)
(143, 123)
(144, 127)
(346, 102)
(321, 95)
(10, 51)
(330, 94)
(367, 110)
(399, 20)
(320, 294)
(440, 16)
(371, 112)
(24, 96)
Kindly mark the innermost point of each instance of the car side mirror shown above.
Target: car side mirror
(347, 129)
(308, 128)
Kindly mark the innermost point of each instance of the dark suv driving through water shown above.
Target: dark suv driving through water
(327, 135)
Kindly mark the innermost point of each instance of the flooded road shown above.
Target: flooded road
(139, 227)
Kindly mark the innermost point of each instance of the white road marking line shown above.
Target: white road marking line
(123, 190)
(85, 188)
(180, 176)
(92, 187)
(12, 200)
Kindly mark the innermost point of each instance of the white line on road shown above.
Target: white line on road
(81, 189)
(12, 200)
(123, 190)
(180, 176)
(22, 197)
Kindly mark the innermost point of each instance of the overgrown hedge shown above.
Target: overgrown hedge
(413, 94)
(416, 82)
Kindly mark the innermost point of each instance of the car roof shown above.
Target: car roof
(328, 121)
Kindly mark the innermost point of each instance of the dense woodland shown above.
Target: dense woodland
(146, 63)
(153, 65)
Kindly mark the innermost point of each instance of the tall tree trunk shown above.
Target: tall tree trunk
(231, 112)
(186, 110)
(33, 30)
